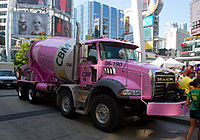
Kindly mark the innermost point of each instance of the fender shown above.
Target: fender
(114, 85)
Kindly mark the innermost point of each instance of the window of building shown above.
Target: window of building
(197, 44)
(2, 20)
(2, 27)
(3, 5)
(3, 13)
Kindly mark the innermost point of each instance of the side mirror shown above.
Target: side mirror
(84, 51)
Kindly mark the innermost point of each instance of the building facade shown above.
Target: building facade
(3, 15)
(195, 18)
(98, 20)
(174, 35)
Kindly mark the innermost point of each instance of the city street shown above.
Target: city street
(22, 120)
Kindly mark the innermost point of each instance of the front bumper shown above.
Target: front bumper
(166, 109)
(8, 84)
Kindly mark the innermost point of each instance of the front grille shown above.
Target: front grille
(8, 81)
(165, 86)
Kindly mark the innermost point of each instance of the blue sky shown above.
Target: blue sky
(173, 10)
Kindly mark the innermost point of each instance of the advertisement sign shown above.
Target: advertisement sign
(144, 5)
(62, 27)
(148, 21)
(64, 6)
(149, 44)
(29, 24)
(126, 24)
(33, 2)
(151, 6)
(148, 33)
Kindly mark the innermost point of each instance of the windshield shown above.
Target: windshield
(116, 51)
(6, 73)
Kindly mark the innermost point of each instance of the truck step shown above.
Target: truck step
(83, 92)
(82, 101)
(81, 112)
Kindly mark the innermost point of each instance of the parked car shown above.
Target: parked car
(7, 76)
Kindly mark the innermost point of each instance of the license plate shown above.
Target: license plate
(8, 84)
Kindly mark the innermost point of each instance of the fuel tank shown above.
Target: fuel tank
(53, 57)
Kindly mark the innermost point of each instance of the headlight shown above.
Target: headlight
(150, 73)
(109, 70)
(131, 92)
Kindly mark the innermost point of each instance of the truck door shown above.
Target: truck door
(89, 68)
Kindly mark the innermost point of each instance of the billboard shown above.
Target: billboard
(64, 6)
(148, 33)
(29, 24)
(62, 27)
(151, 6)
(149, 44)
(126, 24)
(33, 2)
(148, 21)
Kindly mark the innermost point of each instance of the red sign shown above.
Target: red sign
(183, 45)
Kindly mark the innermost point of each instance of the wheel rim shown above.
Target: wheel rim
(20, 91)
(102, 113)
(30, 94)
(66, 104)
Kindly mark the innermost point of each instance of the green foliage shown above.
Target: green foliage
(20, 57)
(89, 37)
(42, 37)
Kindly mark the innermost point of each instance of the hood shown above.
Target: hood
(142, 66)
(8, 78)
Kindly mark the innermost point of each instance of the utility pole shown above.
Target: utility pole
(8, 33)
(138, 27)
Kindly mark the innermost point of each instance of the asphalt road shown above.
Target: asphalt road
(20, 120)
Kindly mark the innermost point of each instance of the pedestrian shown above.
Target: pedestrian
(185, 82)
(197, 74)
(183, 71)
(197, 67)
(193, 99)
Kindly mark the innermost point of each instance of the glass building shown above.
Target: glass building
(98, 20)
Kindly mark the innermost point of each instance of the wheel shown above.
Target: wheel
(32, 95)
(21, 92)
(66, 104)
(106, 113)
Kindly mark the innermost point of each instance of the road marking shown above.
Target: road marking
(7, 96)
(26, 114)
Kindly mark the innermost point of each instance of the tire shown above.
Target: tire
(106, 113)
(21, 92)
(66, 104)
(32, 95)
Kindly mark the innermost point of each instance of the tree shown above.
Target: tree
(20, 57)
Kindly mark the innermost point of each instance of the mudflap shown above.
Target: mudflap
(166, 109)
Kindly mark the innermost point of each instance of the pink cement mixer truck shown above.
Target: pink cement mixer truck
(100, 77)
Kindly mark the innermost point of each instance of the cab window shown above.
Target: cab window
(92, 54)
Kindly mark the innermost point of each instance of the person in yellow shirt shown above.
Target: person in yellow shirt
(185, 82)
